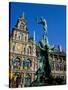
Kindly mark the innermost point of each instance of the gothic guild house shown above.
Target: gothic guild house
(23, 60)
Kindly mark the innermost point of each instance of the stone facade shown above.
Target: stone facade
(58, 64)
(22, 59)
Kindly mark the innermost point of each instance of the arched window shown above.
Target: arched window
(22, 36)
(57, 66)
(64, 67)
(27, 64)
(18, 79)
(27, 80)
(13, 47)
(25, 38)
(16, 63)
(24, 50)
(21, 26)
(19, 37)
(29, 50)
(61, 66)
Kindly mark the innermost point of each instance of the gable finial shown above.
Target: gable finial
(34, 36)
(23, 15)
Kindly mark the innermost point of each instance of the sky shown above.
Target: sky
(55, 15)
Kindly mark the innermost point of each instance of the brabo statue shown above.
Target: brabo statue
(44, 72)
(43, 22)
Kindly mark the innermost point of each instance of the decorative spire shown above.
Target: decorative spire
(23, 15)
(34, 36)
(60, 48)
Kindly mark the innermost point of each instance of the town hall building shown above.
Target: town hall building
(23, 60)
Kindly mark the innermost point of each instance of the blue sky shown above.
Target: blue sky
(55, 16)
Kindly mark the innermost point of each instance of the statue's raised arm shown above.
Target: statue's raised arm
(43, 22)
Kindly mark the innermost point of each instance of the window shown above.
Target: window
(27, 79)
(19, 37)
(25, 27)
(24, 50)
(27, 64)
(13, 48)
(64, 67)
(21, 26)
(16, 64)
(25, 38)
(57, 67)
(60, 59)
(18, 79)
(61, 66)
(52, 65)
(29, 50)
(62, 77)
(22, 36)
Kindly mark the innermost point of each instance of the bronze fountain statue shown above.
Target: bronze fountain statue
(43, 74)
